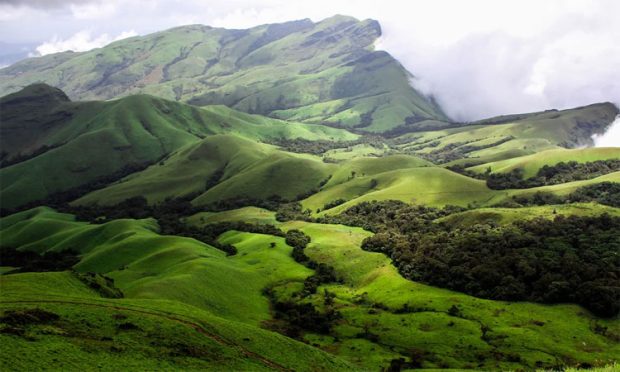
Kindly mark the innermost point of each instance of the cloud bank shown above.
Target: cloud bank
(478, 58)
(80, 42)
(611, 138)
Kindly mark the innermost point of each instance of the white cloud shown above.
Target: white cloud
(93, 10)
(611, 138)
(80, 42)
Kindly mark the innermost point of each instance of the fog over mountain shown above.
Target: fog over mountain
(477, 58)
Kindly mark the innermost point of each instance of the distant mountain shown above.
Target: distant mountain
(325, 72)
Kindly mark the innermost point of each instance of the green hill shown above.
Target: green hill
(176, 286)
(532, 163)
(51, 144)
(475, 143)
(83, 330)
(301, 71)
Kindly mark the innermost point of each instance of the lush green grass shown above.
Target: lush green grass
(373, 290)
(532, 163)
(163, 334)
(425, 185)
(522, 136)
(95, 139)
(509, 215)
(192, 281)
(246, 169)
(147, 265)
(245, 214)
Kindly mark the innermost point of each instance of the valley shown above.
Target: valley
(281, 198)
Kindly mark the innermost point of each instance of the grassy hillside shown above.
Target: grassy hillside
(433, 186)
(532, 163)
(220, 168)
(501, 216)
(57, 144)
(147, 265)
(374, 327)
(174, 286)
(301, 71)
(114, 334)
(481, 143)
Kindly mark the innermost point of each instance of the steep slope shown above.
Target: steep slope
(51, 144)
(305, 71)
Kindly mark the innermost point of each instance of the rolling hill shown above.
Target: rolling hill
(281, 198)
(51, 144)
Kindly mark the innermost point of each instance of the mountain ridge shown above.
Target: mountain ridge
(323, 72)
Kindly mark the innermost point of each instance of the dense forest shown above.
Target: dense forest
(568, 259)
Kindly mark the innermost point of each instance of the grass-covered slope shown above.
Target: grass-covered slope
(219, 168)
(147, 265)
(384, 316)
(502, 216)
(478, 143)
(532, 163)
(51, 144)
(314, 72)
(58, 322)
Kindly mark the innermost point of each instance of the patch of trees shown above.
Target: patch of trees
(380, 216)
(568, 259)
(100, 283)
(607, 193)
(170, 215)
(300, 315)
(571, 259)
(458, 150)
(303, 316)
(292, 212)
(323, 273)
(30, 261)
(334, 203)
(320, 147)
(552, 174)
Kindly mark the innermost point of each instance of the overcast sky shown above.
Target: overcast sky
(479, 58)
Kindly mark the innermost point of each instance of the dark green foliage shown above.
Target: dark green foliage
(59, 200)
(547, 175)
(607, 193)
(5, 161)
(570, 259)
(304, 316)
(291, 212)
(298, 240)
(320, 147)
(28, 316)
(389, 214)
(455, 151)
(169, 215)
(102, 284)
(29, 261)
(334, 203)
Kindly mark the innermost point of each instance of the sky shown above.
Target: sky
(478, 58)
